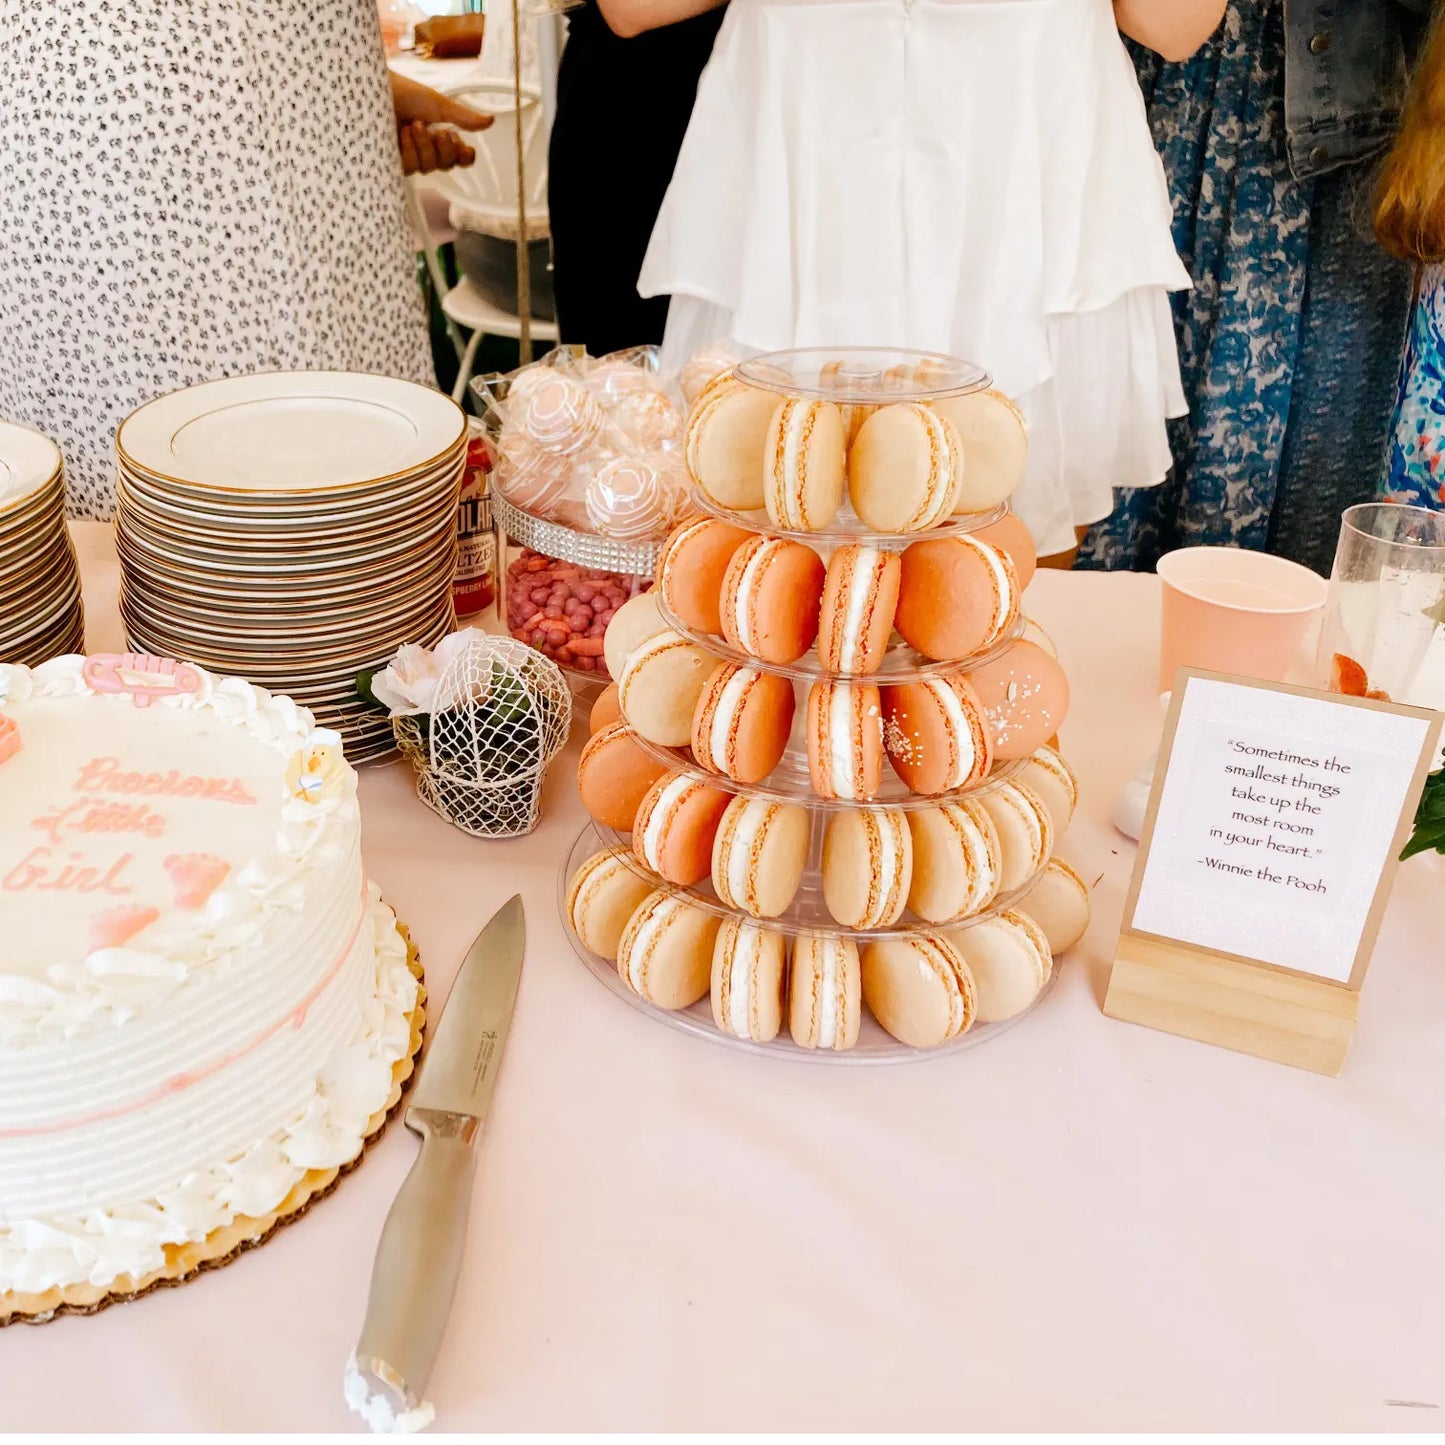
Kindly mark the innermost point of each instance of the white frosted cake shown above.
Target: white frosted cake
(201, 996)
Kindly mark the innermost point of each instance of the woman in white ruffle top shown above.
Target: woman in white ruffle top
(968, 176)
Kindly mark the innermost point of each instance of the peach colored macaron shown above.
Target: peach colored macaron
(660, 686)
(605, 709)
(613, 775)
(1025, 697)
(956, 596)
(770, 599)
(1059, 904)
(860, 598)
(935, 735)
(665, 954)
(844, 728)
(691, 568)
(742, 722)
(676, 823)
(1010, 535)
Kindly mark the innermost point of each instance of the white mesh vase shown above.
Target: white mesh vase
(501, 713)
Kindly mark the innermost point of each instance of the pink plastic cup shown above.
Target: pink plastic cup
(1229, 610)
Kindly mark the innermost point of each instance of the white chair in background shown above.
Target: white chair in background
(483, 197)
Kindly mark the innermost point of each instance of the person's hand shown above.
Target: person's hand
(419, 108)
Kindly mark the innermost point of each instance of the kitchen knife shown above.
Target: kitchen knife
(419, 1256)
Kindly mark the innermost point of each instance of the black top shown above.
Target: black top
(622, 110)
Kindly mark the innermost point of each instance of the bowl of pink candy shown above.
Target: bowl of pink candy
(563, 608)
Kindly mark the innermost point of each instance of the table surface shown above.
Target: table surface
(1084, 1225)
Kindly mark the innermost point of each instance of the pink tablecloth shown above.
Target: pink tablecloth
(1083, 1225)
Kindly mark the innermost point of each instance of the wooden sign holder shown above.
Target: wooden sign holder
(1236, 1002)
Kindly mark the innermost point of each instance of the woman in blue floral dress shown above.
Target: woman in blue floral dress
(1410, 221)
(1290, 341)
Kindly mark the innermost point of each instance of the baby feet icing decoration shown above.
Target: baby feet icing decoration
(195, 876)
(117, 927)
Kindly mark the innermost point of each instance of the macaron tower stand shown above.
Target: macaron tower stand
(835, 908)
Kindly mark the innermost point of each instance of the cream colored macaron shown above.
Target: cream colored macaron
(604, 893)
(995, 442)
(759, 855)
(919, 988)
(749, 964)
(803, 464)
(1059, 904)
(660, 686)
(867, 866)
(956, 861)
(904, 469)
(825, 995)
(1024, 828)
(1010, 960)
(665, 954)
(1034, 633)
(725, 441)
(632, 624)
(1054, 781)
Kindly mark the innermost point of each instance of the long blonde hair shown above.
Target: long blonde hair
(1410, 202)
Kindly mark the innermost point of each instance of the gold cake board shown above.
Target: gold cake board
(184, 1262)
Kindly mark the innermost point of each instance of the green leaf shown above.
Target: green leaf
(363, 688)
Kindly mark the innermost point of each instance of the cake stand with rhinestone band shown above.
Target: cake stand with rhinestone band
(825, 792)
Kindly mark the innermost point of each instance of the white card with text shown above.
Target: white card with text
(1279, 814)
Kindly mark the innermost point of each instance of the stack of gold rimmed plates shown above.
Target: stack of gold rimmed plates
(293, 529)
(40, 612)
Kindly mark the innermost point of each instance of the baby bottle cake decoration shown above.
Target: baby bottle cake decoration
(141, 676)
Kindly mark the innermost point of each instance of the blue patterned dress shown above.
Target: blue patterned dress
(1290, 341)
(1416, 470)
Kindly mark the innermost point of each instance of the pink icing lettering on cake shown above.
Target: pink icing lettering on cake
(83, 816)
(195, 876)
(9, 738)
(38, 870)
(141, 676)
(117, 927)
(104, 775)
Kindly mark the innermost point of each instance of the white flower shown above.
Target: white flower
(408, 683)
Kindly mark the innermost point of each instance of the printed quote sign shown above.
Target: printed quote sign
(1279, 818)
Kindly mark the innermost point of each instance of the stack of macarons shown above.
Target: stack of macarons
(924, 987)
(903, 465)
(775, 600)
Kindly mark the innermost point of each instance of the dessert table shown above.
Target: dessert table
(1083, 1225)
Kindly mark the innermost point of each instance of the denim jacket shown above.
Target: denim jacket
(1345, 77)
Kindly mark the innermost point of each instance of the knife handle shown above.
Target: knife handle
(418, 1260)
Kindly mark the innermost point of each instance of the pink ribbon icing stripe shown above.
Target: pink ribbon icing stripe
(180, 1082)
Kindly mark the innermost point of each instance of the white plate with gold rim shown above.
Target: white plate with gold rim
(221, 510)
(28, 461)
(289, 433)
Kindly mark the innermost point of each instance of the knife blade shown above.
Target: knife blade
(418, 1257)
